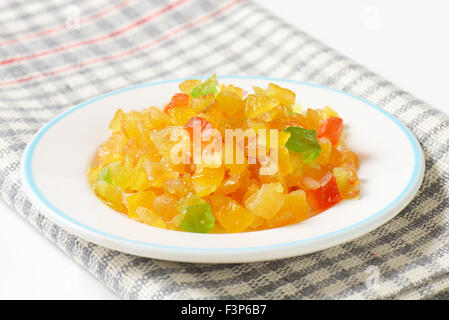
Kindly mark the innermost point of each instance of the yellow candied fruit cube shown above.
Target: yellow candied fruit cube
(255, 105)
(155, 118)
(137, 179)
(326, 149)
(148, 217)
(116, 122)
(164, 144)
(132, 124)
(164, 206)
(158, 173)
(181, 115)
(293, 210)
(347, 182)
(297, 108)
(187, 85)
(206, 180)
(190, 199)
(349, 160)
(179, 187)
(202, 102)
(109, 151)
(267, 201)
(313, 119)
(283, 137)
(139, 199)
(112, 195)
(284, 96)
(284, 163)
(230, 102)
(92, 174)
(330, 112)
(230, 214)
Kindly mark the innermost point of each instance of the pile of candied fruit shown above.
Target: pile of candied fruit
(133, 174)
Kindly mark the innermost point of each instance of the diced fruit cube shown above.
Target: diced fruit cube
(327, 194)
(112, 195)
(349, 160)
(164, 206)
(139, 199)
(206, 180)
(331, 128)
(347, 182)
(267, 201)
(294, 210)
(326, 149)
(178, 100)
(230, 214)
(148, 217)
(197, 218)
(187, 85)
(255, 105)
(230, 102)
(210, 86)
(283, 95)
(158, 173)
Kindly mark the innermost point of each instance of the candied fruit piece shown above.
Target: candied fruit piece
(139, 199)
(210, 86)
(180, 116)
(303, 141)
(330, 112)
(178, 100)
(164, 144)
(331, 128)
(285, 165)
(347, 182)
(187, 85)
(230, 214)
(109, 151)
(206, 180)
(155, 118)
(179, 187)
(326, 149)
(196, 218)
(349, 160)
(255, 105)
(148, 217)
(158, 173)
(267, 201)
(230, 102)
(283, 95)
(313, 119)
(203, 102)
(293, 210)
(112, 195)
(116, 122)
(327, 194)
(164, 206)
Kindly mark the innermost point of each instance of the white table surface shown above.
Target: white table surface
(406, 41)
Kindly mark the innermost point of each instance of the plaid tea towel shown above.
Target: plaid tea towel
(56, 54)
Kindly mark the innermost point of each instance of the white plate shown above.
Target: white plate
(55, 162)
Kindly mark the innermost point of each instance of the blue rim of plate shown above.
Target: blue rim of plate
(28, 178)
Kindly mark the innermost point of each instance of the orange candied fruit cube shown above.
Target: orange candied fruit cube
(230, 214)
(293, 210)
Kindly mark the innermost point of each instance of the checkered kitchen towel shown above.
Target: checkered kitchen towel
(55, 54)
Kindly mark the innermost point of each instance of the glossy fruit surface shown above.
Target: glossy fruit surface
(271, 181)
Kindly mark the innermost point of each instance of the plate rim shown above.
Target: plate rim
(322, 241)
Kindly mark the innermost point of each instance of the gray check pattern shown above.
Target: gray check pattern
(411, 252)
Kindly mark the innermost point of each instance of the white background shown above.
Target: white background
(406, 41)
